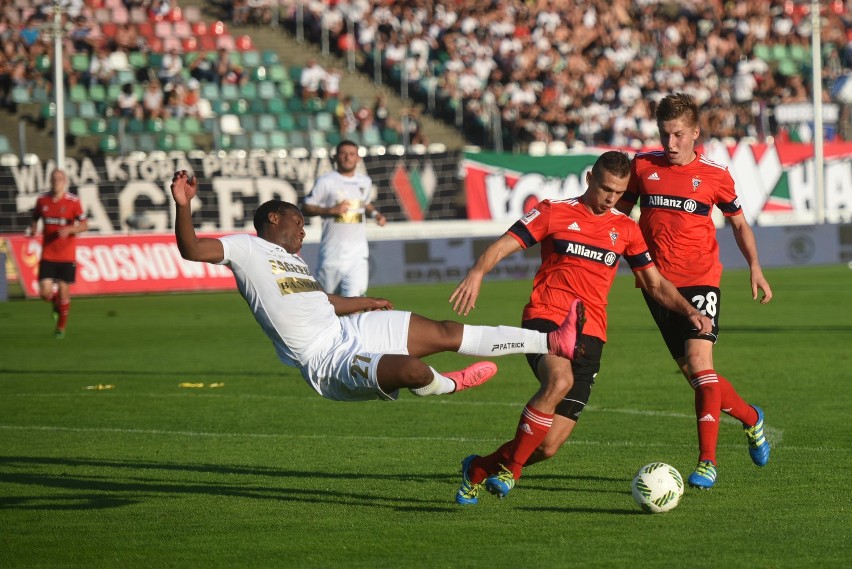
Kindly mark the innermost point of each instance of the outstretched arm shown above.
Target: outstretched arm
(748, 247)
(344, 305)
(191, 247)
(464, 297)
(337, 209)
(664, 292)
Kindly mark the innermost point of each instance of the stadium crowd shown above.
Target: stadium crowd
(572, 71)
(593, 70)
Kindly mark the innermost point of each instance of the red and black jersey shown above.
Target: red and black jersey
(579, 258)
(675, 206)
(55, 214)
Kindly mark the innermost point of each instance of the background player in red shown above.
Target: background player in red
(63, 218)
(677, 189)
(581, 241)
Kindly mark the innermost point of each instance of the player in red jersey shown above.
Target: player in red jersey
(581, 241)
(63, 218)
(677, 189)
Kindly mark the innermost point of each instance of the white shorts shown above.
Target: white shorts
(346, 369)
(346, 280)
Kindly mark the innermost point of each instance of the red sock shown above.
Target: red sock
(532, 429)
(483, 466)
(734, 405)
(63, 309)
(708, 405)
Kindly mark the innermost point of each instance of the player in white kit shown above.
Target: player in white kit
(349, 348)
(342, 198)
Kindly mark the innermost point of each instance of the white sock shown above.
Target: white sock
(439, 386)
(501, 340)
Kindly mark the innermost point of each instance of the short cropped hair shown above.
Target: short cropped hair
(261, 214)
(613, 161)
(678, 105)
(342, 143)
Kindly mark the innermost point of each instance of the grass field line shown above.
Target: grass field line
(773, 435)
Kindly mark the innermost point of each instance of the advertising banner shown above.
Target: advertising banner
(776, 184)
(123, 265)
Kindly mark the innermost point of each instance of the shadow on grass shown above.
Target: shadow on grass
(105, 484)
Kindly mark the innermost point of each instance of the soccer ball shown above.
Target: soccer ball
(657, 487)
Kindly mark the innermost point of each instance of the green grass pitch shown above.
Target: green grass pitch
(255, 470)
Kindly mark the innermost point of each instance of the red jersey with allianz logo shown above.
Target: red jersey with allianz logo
(56, 214)
(675, 205)
(579, 258)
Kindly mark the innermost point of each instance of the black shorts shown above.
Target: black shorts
(676, 328)
(55, 270)
(585, 367)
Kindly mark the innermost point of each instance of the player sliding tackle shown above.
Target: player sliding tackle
(349, 348)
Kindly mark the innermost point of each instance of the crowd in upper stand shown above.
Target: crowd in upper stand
(593, 70)
(572, 71)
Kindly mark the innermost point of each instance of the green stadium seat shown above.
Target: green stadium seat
(333, 138)
(80, 62)
(220, 107)
(229, 92)
(325, 121)
(97, 93)
(171, 125)
(155, 60)
(20, 94)
(295, 73)
(297, 139)
(191, 125)
(210, 91)
(154, 125)
(277, 73)
(109, 144)
(258, 74)
(88, 110)
(137, 59)
(134, 126)
(256, 106)
(240, 141)
(166, 141)
(269, 57)
(286, 122)
(43, 63)
(371, 137)
(39, 95)
(146, 142)
(5, 145)
(267, 122)
(48, 111)
(266, 91)
(78, 127)
(240, 107)
(287, 89)
(316, 139)
(259, 140)
(762, 51)
(248, 122)
(78, 93)
(303, 121)
(276, 106)
(99, 126)
(112, 92)
(248, 90)
(184, 141)
(277, 139)
(390, 136)
(251, 59)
